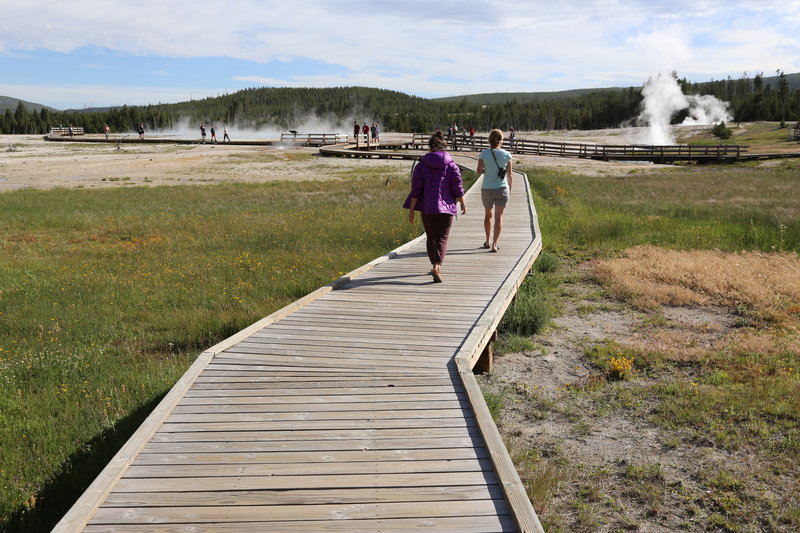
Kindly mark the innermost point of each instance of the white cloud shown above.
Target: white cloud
(665, 48)
(415, 46)
(83, 96)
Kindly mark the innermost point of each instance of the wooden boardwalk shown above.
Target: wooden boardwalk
(353, 409)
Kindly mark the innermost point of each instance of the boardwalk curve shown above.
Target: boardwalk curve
(353, 409)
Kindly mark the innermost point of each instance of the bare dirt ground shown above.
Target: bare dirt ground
(30, 162)
(596, 449)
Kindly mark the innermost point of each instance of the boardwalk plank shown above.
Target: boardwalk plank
(336, 407)
(197, 397)
(307, 434)
(298, 345)
(311, 370)
(291, 469)
(330, 445)
(253, 354)
(302, 456)
(304, 481)
(306, 496)
(466, 524)
(245, 513)
(409, 424)
(309, 415)
(324, 391)
(306, 380)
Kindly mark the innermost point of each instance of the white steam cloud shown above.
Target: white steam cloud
(241, 129)
(663, 99)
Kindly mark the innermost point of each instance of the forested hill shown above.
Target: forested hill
(283, 109)
(501, 98)
(9, 103)
(288, 107)
(773, 82)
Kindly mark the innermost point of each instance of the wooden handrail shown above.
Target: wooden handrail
(588, 150)
(313, 139)
(65, 130)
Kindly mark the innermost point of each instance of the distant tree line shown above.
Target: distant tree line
(285, 108)
(753, 98)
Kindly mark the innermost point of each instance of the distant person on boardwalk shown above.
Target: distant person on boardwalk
(495, 165)
(141, 131)
(356, 131)
(512, 138)
(203, 131)
(69, 131)
(436, 186)
(213, 135)
(378, 131)
(225, 134)
(365, 131)
(374, 132)
(107, 130)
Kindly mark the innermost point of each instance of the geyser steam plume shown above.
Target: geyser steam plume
(663, 98)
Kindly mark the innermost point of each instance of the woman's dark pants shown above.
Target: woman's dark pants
(437, 228)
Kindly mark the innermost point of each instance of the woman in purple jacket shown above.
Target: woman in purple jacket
(435, 188)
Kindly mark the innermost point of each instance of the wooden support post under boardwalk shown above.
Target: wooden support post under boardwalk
(484, 363)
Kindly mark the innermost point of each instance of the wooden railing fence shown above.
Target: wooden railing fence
(64, 130)
(627, 152)
(313, 139)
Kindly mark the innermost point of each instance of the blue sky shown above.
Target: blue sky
(88, 53)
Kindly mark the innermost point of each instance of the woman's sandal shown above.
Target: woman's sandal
(486, 244)
(496, 249)
(437, 277)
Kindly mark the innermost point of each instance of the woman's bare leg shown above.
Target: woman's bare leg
(487, 224)
(498, 225)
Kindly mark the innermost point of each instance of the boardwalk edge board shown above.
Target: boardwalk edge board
(516, 495)
(524, 516)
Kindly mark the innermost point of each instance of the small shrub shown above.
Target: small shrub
(542, 481)
(513, 344)
(717, 378)
(547, 262)
(619, 367)
(530, 311)
(495, 404)
(527, 315)
(722, 131)
(616, 362)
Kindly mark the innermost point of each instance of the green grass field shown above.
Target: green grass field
(106, 297)
(764, 137)
(729, 208)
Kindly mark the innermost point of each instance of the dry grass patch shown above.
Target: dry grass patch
(766, 285)
(738, 310)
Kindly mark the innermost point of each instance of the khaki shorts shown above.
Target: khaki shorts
(493, 197)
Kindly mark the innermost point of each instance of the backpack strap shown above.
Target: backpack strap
(499, 170)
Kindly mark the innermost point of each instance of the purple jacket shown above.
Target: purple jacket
(436, 184)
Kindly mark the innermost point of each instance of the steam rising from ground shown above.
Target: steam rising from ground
(190, 129)
(663, 99)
